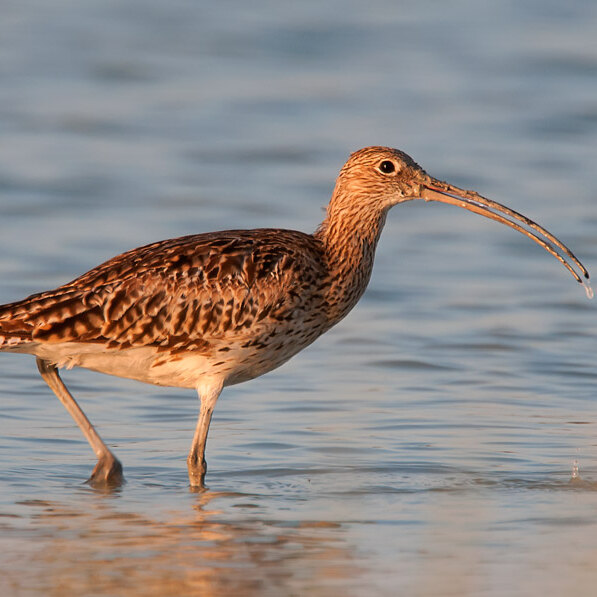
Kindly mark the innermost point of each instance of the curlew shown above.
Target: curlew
(212, 310)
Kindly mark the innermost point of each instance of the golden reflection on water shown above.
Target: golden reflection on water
(99, 550)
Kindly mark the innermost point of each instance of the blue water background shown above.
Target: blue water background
(427, 445)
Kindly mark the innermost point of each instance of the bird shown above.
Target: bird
(210, 310)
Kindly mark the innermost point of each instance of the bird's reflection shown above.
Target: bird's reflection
(220, 545)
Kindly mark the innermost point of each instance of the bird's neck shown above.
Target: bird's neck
(349, 235)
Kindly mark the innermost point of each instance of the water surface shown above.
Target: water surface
(427, 445)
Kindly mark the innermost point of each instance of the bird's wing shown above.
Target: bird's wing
(177, 294)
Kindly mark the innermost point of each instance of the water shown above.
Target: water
(440, 440)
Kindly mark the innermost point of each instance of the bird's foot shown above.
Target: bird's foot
(107, 472)
(197, 472)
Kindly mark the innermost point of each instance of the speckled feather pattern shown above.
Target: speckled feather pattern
(244, 301)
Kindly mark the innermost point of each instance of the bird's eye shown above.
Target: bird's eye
(387, 167)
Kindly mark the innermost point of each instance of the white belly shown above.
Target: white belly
(147, 364)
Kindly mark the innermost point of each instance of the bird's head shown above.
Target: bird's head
(379, 178)
(374, 179)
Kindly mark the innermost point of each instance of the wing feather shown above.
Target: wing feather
(185, 291)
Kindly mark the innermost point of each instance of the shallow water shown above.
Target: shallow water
(427, 445)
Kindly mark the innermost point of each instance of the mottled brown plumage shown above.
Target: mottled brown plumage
(198, 293)
(211, 310)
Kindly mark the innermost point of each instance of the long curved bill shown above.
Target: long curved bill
(437, 190)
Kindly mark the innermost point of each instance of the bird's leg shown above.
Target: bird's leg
(108, 470)
(208, 394)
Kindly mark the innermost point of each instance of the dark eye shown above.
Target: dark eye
(387, 167)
